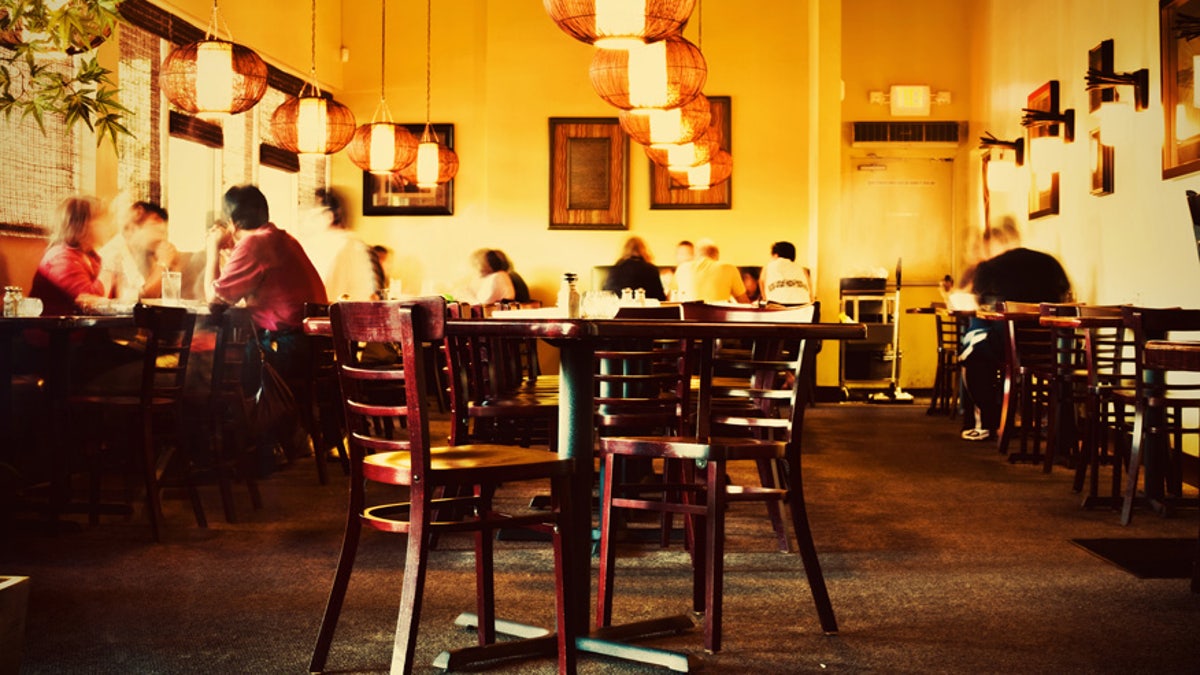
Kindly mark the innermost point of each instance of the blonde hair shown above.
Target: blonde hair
(636, 248)
(74, 216)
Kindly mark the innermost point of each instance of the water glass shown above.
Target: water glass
(172, 284)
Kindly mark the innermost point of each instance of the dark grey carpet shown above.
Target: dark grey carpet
(940, 557)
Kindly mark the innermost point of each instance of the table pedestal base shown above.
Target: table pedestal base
(538, 642)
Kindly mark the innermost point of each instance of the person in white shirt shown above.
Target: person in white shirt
(343, 261)
(706, 279)
(783, 280)
(493, 283)
(134, 260)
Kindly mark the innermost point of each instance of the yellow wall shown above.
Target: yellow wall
(1135, 245)
(502, 68)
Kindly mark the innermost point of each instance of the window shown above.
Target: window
(192, 177)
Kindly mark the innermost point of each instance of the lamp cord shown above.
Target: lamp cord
(428, 58)
(382, 49)
(312, 71)
(700, 25)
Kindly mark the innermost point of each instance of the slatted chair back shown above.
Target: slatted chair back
(168, 332)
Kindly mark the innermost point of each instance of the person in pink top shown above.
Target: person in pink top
(67, 279)
(267, 268)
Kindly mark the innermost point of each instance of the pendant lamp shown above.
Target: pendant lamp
(704, 176)
(681, 156)
(310, 123)
(619, 24)
(435, 162)
(382, 147)
(664, 74)
(663, 127)
(213, 77)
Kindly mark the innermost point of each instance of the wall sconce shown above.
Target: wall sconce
(1049, 129)
(1003, 159)
(1115, 115)
(910, 100)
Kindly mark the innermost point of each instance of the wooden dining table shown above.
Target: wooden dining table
(576, 341)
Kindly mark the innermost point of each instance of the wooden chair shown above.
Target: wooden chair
(946, 376)
(1108, 405)
(758, 419)
(232, 443)
(489, 401)
(405, 457)
(1165, 412)
(324, 412)
(1066, 384)
(1029, 367)
(151, 417)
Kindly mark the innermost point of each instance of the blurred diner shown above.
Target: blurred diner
(68, 278)
(635, 269)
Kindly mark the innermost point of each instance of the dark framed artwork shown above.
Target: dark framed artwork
(391, 195)
(666, 194)
(589, 160)
(1179, 44)
(1043, 194)
(1102, 164)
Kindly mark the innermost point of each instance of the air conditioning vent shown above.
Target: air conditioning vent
(876, 133)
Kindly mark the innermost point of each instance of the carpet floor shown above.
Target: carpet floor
(940, 557)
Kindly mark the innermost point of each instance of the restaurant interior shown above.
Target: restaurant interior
(881, 138)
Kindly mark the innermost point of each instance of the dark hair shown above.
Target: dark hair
(246, 206)
(497, 261)
(784, 249)
(331, 200)
(147, 209)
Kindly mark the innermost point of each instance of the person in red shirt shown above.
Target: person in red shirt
(67, 279)
(267, 268)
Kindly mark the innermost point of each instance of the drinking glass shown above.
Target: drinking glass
(172, 283)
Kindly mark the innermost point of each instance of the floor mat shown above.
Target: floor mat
(1165, 558)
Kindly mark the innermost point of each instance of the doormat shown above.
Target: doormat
(1164, 558)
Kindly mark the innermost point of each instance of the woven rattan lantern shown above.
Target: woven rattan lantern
(664, 127)
(382, 146)
(684, 155)
(619, 24)
(664, 74)
(435, 163)
(703, 176)
(311, 123)
(213, 77)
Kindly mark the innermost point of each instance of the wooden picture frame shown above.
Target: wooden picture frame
(391, 195)
(1100, 58)
(1179, 42)
(1042, 201)
(589, 176)
(1102, 164)
(664, 194)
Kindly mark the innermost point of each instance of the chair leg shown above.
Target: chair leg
(608, 552)
(768, 476)
(150, 478)
(714, 533)
(413, 590)
(808, 552)
(1135, 462)
(566, 614)
(337, 594)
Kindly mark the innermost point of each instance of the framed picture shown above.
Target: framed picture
(665, 194)
(1179, 44)
(1102, 165)
(1043, 197)
(589, 160)
(1100, 58)
(391, 195)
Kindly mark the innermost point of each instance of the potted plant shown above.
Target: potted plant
(30, 85)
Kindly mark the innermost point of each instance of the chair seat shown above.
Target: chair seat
(459, 464)
(718, 448)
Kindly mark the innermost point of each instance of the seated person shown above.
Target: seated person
(706, 279)
(136, 257)
(67, 279)
(493, 283)
(635, 269)
(783, 280)
(1014, 274)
